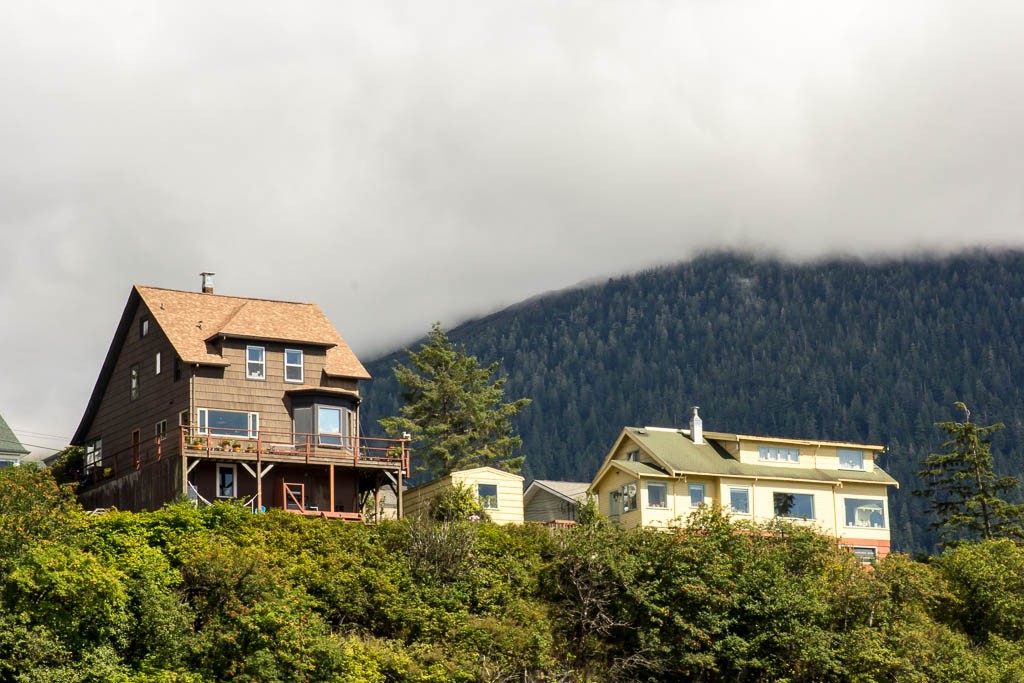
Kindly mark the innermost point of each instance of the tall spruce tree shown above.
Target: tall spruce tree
(964, 490)
(455, 410)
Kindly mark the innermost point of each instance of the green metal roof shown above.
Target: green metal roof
(9, 444)
(679, 453)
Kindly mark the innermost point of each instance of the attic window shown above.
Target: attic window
(143, 326)
(633, 456)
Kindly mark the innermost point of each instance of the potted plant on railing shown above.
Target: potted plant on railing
(225, 445)
(250, 448)
(198, 443)
(236, 447)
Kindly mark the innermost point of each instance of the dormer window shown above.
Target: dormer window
(293, 365)
(851, 459)
(778, 454)
(255, 362)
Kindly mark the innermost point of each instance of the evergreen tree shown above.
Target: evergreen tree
(454, 410)
(963, 488)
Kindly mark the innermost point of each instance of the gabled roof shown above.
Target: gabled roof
(9, 444)
(191, 319)
(569, 491)
(674, 452)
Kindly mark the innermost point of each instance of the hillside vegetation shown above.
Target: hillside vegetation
(844, 350)
(219, 594)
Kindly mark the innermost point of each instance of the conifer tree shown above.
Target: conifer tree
(455, 410)
(963, 488)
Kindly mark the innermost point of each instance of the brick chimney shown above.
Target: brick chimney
(207, 282)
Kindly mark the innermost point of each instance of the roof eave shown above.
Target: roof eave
(107, 369)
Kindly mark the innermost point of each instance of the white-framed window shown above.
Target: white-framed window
(633, 456)
(793, 505)
(488, 494)
(333, 425)
(255, 362)
(865, 553)
(623, 499)
(865, 512)
(293, 365)
(739, 499)
(143, 326)
(93, 452)
(134, 391)
(226, 481)
(696, 494)
(158, 366)
(160, 429)
(851, 459)
(778, 454)
(228, 423)
(657, 494)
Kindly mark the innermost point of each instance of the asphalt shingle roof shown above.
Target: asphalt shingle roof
(683, 456)
(9, 444)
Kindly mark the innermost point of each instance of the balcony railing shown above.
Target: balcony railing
(290, 446)
(322, 449)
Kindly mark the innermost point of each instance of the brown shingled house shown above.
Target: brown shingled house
(219, 397)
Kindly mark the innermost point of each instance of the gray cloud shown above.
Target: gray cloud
(401, 163)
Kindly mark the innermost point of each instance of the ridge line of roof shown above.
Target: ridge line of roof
(226, 296)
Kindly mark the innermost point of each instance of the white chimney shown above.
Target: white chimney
(696, 427)
(207, 282)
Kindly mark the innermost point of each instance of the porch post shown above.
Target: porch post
(259, 481)
(332, 486)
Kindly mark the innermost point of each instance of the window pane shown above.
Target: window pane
(865, 513)
(657, 495)
(628, 497)
(696, 494)
(228, 423)
(739, 500)
(794, 505)
(850, 459)
(488, 496)
(293, 365)
(254, 367)
(329, 425)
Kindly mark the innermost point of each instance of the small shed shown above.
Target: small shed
(553, 501)
(500, 493)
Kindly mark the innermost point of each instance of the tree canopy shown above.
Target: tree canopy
(454, 409)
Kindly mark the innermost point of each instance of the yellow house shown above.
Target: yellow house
(655, 476)
(500, 493)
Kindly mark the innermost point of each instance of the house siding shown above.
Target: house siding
(510, 494)
(160, 398)
(545, 506)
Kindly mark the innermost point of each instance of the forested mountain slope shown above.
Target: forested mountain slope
(845, 350)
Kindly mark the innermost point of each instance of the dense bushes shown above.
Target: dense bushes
(190, 596)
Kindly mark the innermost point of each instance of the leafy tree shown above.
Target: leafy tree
(458, 502)
(963, 488)
(454, 410)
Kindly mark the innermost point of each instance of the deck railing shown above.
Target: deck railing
(351, 451)
(343, 449)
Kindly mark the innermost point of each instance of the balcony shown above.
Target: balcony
(292, 447)
(241, 446)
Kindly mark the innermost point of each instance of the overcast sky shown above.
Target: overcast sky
(405, 162)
